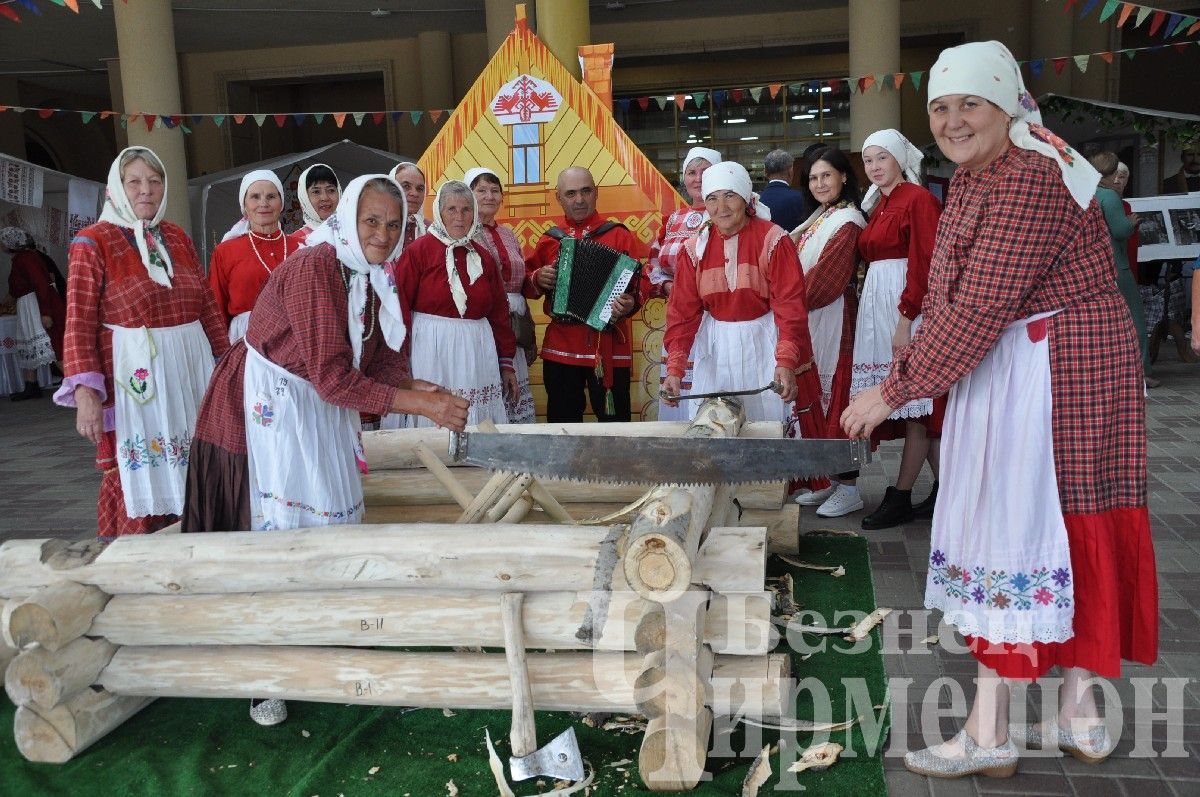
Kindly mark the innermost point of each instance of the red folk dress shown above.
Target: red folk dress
(300, 324)
(30, 275)
(1013, 244)
(240, 267)
(107, 284)
(499, 241)
(902, 225)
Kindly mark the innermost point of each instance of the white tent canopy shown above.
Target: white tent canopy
(51, 206)
(214, 197)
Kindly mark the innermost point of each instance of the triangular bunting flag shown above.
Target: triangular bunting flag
(395, 116)
(45, 113)
(643, 103)
(1186, 23)
(166, 122)
(756, 93)
(1108, 57)
(105, 114)
(377, 117)
(149, 119)
(1110, 8)
(318, 118)
(279, 118)
(196, 118)
(415, 116)
(624, 104)
(774, 89)
(259, 118)
(1156, 21)
(32, 6)
(884, 83)
(59, 2)
(1070, 4)
(1143, 12)
(898, 80)
(1059, 63)
(7, 11)
(794, 88)
(131, 117)
(916, 78)
(1195, 27)
(218, 119)
(176, 119)
(435, 115)
(1035, 67)
(661, 102)
(680, 99)
(1081, 61)
(718, 97)
(238, 118)
(1126, 10)
(1087, 8)
(87, 116)
(358, 118)
(737, 94)
(835, 84)
(187, 131)
(700, 98)
(1177, 23)
(298, 118)
(124, 122)
(71, 4)
(339, 119)
(865, 83)
(1130, 53)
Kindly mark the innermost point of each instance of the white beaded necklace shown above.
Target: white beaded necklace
(272, 238)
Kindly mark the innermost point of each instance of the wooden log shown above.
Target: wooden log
(435, 556)
(508, 498)
(394, 449)
(517, 512)
(667, 531)
(46, 678)
(438, 469)
(56, 735)
(549, 504)
(488, 495)
(7, 651)
(783, 527)
(53, 616)
(591, 682)
(674, 751)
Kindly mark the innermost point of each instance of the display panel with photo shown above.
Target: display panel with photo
(1168, 226)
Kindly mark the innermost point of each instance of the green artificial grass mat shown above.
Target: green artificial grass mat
(211, 747)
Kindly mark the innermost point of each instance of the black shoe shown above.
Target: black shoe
(895, 508)
(924, 510)
(31, 391)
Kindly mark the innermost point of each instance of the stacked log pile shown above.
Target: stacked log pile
(634, 618)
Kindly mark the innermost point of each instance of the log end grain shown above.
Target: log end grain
(674, 750)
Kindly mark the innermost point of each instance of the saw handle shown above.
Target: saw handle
(523, 736)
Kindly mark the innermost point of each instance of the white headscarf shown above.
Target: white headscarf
(118, 211)
(711, 155)
(988, 70)
(312, 219)
(418, 217)
(341, 230)
(474, 263)
(728, 176)
(243, 224)
(905, 153)
(473, 174)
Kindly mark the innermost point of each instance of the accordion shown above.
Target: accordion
(590, 278)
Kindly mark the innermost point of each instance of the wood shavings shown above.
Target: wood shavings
(305, 734)
(809, 629)
(760, 772)
(451, 789)
(817, 757)
(864, 626)
(620, 763)
(372, 770)
(625, 725)
(497, 766)
(837, 571)
(452, 758)
(930, 640)
(802, 726)
(448, 713)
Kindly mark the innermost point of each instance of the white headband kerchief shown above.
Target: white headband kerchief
(258, 175)
(711, 155)
(341, 230)
(473, 174)
(727, 176)
(988, 70)
(117, 210)
(905, 153)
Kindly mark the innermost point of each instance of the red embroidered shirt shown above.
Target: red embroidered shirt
(237, 275)
(904, 224)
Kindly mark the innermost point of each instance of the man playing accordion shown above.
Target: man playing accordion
(578, 362)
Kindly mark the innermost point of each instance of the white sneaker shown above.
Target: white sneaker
(810, 498)
(845, 499)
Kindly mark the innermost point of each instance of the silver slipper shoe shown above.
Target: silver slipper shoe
(1090, 748)
(995, 762)
(268, 712)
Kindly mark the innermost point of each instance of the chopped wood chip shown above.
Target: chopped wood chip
(497, 766)
(621, 763)
(803, 726)
(817, 757)
(452, 757)
(372, 770)
(930, 640)
(451, 789)
(447, 713)
(760, 772)
(305, 734)
(837, 571)
(806, 657)
(864, 626)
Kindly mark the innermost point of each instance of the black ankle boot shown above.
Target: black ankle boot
(894, 509)
(924, 510)
(31, 391)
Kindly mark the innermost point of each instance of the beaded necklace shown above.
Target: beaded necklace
(370, 308)
(272, 239)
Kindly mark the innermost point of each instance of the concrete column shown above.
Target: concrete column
(437, 77)
(1050, 35)
(116, 101)
(12, 125)
(874, 50)
(150, 82)
(501, 18)
(564, 25)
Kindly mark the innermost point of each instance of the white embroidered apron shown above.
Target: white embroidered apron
(238, 326)
(737, 355)
(522, 409)
(878, 314)
(34, 348)
(304, 454)
(1000, 564)
(159, 377)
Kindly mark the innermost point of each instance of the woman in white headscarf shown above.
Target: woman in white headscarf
(318, 191)
(501, 243)
(251, 250)
(461, 336)
(141, 333)
(739, 298)
(1041, 552)
(897, 244)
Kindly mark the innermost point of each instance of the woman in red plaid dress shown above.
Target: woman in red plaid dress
(142, 329)
(1041, 552)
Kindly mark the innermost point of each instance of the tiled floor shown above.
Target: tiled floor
(49, 488)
